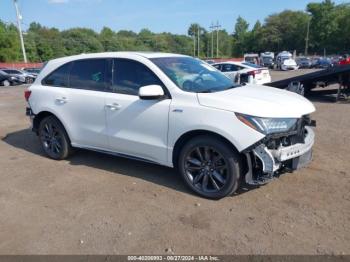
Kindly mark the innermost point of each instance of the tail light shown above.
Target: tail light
(254, 72)
(27, 94)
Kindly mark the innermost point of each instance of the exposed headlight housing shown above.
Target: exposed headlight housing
(268, 125)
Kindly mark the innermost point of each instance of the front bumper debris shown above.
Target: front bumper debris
(299, 149)
(266, 163)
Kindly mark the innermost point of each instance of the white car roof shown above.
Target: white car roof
(116, 55)
(233, 63)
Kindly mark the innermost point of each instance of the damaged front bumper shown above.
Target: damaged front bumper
(264, 162)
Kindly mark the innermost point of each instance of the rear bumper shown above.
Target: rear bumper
(31, 116)
(286, 67)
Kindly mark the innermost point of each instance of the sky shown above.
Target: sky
(173, 16)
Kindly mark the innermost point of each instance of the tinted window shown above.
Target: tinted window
(10, 71)
(217, 67)
(129, 76)
(59, 77)
(230, 68)
(89, 74)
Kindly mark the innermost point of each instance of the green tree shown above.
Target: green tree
(81, 40)
(9, 43)
(324, 25)
(109, 40)
(285, 31)
(240, 36)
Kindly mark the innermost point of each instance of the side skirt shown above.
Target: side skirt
(118, 154)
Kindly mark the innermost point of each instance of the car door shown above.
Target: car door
(136, 127)
(230, 71)
(78, 99)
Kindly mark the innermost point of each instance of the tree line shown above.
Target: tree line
(328, 25)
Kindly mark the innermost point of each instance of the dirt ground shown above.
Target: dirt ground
(99, 204)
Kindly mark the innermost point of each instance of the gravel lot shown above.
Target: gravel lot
(99, 204)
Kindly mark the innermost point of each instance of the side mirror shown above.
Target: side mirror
(151, 92)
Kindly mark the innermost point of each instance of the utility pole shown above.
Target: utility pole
(19, 18)
(217, 27)
(198, 40)
(307, 37)
(212, 39)
(194, 44)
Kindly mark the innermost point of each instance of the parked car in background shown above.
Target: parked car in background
(289, 64)
(24, 77)
(323, 63)
(303, 62)
(210, 62)
(285, 61)
(345, 60)
(171, 110)
(237, 71)
(252, 58)
(8, 80)
(267, 59)
(32, 70)
(314, 61)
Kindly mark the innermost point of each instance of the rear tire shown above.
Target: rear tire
(209, 167)
(54, 139)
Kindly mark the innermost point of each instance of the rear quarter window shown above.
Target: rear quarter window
(58, 77)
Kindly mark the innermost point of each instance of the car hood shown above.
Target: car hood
(257, 100)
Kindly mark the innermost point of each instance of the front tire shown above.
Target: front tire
(209, 167)
(54, 139)
(6, 83)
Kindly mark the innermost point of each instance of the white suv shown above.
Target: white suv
(172, 110)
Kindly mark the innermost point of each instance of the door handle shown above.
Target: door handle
(114, 106)
(62, 100)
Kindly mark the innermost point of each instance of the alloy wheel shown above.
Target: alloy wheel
(206, 168)
(51, 139)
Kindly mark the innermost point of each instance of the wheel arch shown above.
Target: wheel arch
(40, 116)
(184, 138)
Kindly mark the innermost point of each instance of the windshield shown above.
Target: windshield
(267, 59)
(193, 75)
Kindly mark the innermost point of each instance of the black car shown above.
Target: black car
(303, 62)
(8, 80)
(267, 62)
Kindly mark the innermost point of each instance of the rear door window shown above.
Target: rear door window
(229, 68)
(89, 74)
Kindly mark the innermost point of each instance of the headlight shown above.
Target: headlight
(268, 125)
